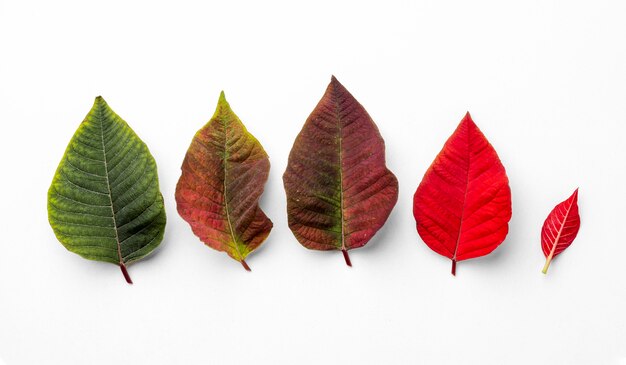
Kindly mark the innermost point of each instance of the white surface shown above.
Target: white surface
(544, 80)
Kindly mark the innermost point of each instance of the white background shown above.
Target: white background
(544, 80)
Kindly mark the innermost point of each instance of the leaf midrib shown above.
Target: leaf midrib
(340, 137)
(230, 225)
(100, 116)
(458, 239)
(558, 236)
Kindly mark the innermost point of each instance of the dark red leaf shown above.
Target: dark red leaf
(560, 229)
(463, 204)
(339, 191)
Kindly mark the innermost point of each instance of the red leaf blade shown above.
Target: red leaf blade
(463, 204)
(560, 229)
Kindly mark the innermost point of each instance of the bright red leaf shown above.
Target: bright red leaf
(463, 204)
(560, 228)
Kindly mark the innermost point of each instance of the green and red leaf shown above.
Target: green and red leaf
(339, 190)
(223, 175)
(463, 204)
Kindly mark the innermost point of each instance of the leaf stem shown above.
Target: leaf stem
(346, 257)
(125, 272)
(453, 267)
(245, 265)
(545, 267)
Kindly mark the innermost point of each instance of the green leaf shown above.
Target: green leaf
(104, 202)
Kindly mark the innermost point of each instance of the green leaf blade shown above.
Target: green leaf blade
(104, 202)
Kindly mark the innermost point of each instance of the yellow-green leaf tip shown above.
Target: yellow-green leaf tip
(222, 105)
(100, 102)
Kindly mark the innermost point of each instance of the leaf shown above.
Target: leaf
(223, 175)
(104, 202)
(339, 191)
(560, 229)
(463, 204)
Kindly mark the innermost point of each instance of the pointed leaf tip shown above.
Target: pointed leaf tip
(335, 88)
(335, 84)
(222, 106)
(100, 103)
(468, 119)
(222, 100)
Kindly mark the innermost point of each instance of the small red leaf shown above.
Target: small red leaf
(463, 204)
(560, 229)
